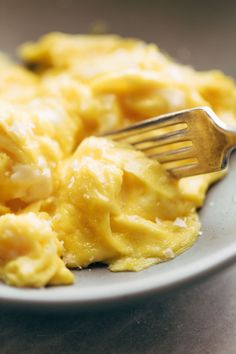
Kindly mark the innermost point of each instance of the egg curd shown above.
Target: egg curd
(69, 198)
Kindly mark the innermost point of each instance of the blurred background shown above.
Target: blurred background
(200, 33)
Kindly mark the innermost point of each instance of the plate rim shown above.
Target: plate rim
(142, 287)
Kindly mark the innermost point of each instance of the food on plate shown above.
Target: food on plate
(69, 197)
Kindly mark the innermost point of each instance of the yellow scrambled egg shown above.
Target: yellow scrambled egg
(69, 198)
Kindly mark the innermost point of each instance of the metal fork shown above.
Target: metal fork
(187, 143)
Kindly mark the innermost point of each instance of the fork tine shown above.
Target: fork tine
(164, 121)
(160, 140)
(174, 155)
(189, 169)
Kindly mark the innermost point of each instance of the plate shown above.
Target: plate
(214, 250)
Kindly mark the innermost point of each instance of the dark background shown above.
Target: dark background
(201, 33)
(200, 319)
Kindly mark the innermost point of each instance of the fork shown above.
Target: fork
(189, 142)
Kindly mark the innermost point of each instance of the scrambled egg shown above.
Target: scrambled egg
(68, 198)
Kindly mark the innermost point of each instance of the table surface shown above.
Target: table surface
(200, 319)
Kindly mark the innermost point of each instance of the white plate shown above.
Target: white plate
(215, 249)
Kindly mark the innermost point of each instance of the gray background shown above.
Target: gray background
(200, 319)
(201, 33)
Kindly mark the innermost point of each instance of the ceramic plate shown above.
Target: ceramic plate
(215, 249)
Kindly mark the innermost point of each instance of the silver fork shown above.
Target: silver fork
(189, 142)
